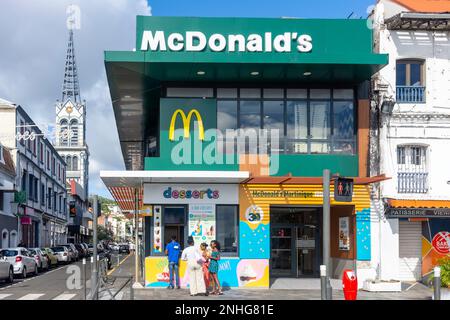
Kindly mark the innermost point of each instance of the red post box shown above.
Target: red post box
(350, 284)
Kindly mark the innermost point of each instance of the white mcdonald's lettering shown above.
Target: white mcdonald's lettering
(216, 42)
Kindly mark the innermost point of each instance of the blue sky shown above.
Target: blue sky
(262, 8)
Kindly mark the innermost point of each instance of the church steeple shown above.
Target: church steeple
(71, 88)
(70, 141)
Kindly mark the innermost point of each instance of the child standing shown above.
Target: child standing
(214, 266)
(205, 266)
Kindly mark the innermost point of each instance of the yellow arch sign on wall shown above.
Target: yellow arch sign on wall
(186, 123)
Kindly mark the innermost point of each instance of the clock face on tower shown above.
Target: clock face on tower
(69, 108)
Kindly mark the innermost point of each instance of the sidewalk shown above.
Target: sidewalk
(416, 292)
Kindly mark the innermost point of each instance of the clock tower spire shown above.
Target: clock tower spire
(70, 139)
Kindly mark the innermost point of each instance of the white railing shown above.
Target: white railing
(412, 182)
(410, 94)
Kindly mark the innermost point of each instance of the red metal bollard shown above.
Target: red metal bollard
(350, 284)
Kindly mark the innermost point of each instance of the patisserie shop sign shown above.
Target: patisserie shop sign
(193, 41)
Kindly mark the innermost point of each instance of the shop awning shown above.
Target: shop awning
(418, 204)
(123, 184)
(417, 209)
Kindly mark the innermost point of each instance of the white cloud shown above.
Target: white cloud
(33, 40)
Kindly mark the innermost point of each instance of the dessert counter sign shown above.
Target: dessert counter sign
(191, 193)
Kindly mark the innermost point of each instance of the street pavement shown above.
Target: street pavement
(415, 291)
(64, 282)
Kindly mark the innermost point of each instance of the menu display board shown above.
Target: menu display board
(344, 237)
(157, 235)
(202, 223)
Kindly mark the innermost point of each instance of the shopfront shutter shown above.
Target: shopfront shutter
(410, 250)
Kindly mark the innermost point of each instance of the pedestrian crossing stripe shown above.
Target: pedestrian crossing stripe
(31, 296)
(65, 296)
(4, 295)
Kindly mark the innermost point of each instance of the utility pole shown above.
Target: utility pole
(326, 230)
(136, 284)
(94, 273)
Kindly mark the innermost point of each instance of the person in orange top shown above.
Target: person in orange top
(205, 267)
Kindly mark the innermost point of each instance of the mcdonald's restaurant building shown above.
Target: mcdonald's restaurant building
(180, 99)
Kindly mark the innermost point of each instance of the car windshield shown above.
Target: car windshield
(9, 253)
(33, 251)
(58, 249)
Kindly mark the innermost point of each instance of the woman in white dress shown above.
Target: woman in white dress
(194, 260)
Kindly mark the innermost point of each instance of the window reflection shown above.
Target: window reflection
(274, 116)
(226, 115)
(250, 114)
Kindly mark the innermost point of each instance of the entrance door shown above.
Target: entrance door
(307, 245)
(295, 241)
(282, 246)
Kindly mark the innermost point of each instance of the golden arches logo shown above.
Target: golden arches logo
(186, 123)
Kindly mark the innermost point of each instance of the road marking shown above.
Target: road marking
(114, 269)
(5, 295)
(31, 296)
(65, 296)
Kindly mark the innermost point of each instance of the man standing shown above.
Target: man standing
(194, 263)
(173, 254)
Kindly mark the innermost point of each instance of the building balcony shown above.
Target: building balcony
(412, 182)
(410, 94)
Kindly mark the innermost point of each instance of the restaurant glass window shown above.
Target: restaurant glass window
(273, 112)
(228, 93)
(297, 126)
(320, 126)
(227, 221)
(343, 127)
(227, 115)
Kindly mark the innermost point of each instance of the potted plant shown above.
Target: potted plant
(444, 264)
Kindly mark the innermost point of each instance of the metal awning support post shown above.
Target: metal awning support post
(136, 284)
(326, 231)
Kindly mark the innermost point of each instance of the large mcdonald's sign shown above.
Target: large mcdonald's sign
(186, 123)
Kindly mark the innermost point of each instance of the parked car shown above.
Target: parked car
(40, 258)
(114, 247)
(6, 270)
(22, 260)
(73, 253)
(81, 250)
(124, 248)
(75, 250)
(91, 248)
(86, 247)
(62, 254)
(51, 256)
